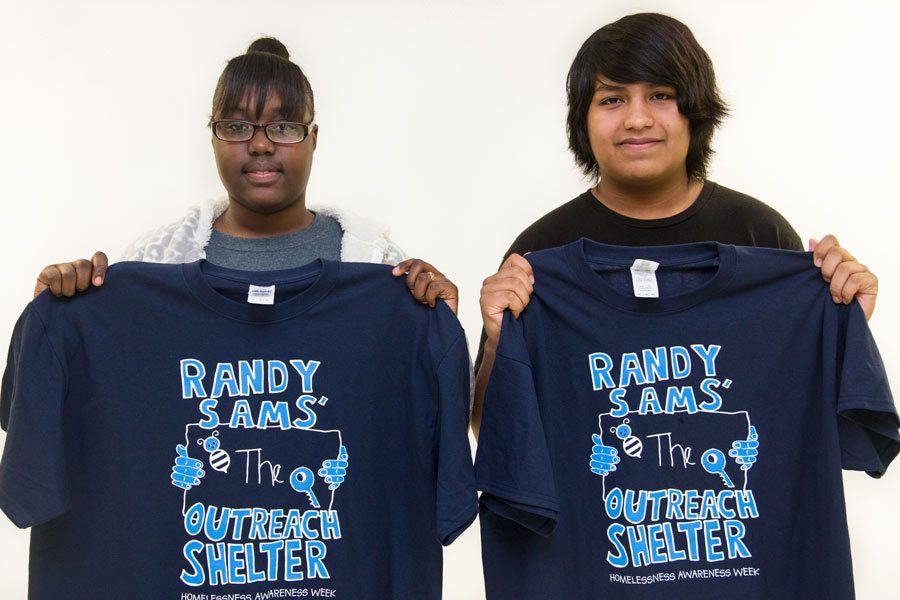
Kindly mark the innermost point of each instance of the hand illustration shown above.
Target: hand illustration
(187, 471)
(745, 451)
(603, 458)
(334, 471)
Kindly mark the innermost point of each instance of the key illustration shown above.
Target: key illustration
(713, 462)
(302, 480)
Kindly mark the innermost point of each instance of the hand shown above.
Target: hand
(509, 288)
(603, 458)
(334, 471)
(187, 471)
(427, 284)
(848, 278)
(745, 451)
(65, 279)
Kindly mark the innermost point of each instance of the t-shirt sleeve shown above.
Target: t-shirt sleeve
(456, 497)
(867, 418)
(513, 468)
(33, 484)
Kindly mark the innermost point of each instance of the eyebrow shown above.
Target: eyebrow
(607, 87)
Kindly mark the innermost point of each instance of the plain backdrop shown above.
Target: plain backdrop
(444, 118)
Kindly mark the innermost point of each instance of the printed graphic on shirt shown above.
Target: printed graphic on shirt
(256, 436)
(675, 462)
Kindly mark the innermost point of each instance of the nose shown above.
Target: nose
(260, 144)
(639, 116)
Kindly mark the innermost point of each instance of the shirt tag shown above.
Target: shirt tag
(261, 294)
(643, 277)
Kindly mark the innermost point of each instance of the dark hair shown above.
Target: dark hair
(656, 49)
(265, 68)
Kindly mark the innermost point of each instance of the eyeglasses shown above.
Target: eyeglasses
(280, 132)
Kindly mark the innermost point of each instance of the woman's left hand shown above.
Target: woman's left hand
(848, 278)
(427, 284)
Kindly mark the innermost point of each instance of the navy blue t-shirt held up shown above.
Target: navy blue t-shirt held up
(169, 439)
(671, 422)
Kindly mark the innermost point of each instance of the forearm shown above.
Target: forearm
(481, 380)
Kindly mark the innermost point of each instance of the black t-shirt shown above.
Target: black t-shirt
(718, 215)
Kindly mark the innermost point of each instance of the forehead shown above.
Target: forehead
(605, 84)
(263, 105)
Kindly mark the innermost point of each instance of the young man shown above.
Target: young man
(642, 109)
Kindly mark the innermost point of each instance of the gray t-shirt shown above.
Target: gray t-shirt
(322, 239)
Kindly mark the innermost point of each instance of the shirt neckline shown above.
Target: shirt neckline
(705, 193)
(323, 274)
(581, 254)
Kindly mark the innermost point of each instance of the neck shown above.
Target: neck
(239, 221)
(652, 201)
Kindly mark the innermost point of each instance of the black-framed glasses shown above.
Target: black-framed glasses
(279, 132)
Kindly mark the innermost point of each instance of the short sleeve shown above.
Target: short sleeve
(456, 498)
(867, 418)
(513, 468)
(33, 485)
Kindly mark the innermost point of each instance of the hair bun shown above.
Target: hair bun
(271, 46)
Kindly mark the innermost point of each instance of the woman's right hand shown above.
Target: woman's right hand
(66, 279)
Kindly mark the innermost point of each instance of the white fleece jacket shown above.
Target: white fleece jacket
(185, 240)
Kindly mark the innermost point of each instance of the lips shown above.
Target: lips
(642, 143)
(262, 172)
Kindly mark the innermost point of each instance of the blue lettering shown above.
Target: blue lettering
(309, 416)
(620, 559)
(631, 368)
(315, 554)
(708, 356)
(251, 377)
(306, 371)
(680, 355)
(276, 367)
(708, 387)
(196, 577)
(620, 407)
(192, 373)
(650, 402)
(656, 365)
(291, 562)
(224, 378)
(600, 372)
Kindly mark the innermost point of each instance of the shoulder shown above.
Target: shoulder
(556, 227)
(363, 239)
(767, 227)
(182, 240)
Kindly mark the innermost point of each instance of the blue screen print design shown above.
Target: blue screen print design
(258, 476)
(675, 463)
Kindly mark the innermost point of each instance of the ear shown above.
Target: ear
(314, 134)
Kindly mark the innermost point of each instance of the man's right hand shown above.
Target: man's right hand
(511, 288)
(67, 279)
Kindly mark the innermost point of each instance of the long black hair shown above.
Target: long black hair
(656, 49)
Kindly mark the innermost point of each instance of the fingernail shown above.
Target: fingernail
(836, 299)
(98, 280)
(818, 262)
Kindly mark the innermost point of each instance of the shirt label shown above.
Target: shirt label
(261, 294)
(643, 278)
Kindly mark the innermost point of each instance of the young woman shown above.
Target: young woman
(264, 137)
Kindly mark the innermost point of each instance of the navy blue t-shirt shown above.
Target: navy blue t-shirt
(319, 443)
(688, 445)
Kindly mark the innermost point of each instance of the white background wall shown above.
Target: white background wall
(444, 118)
